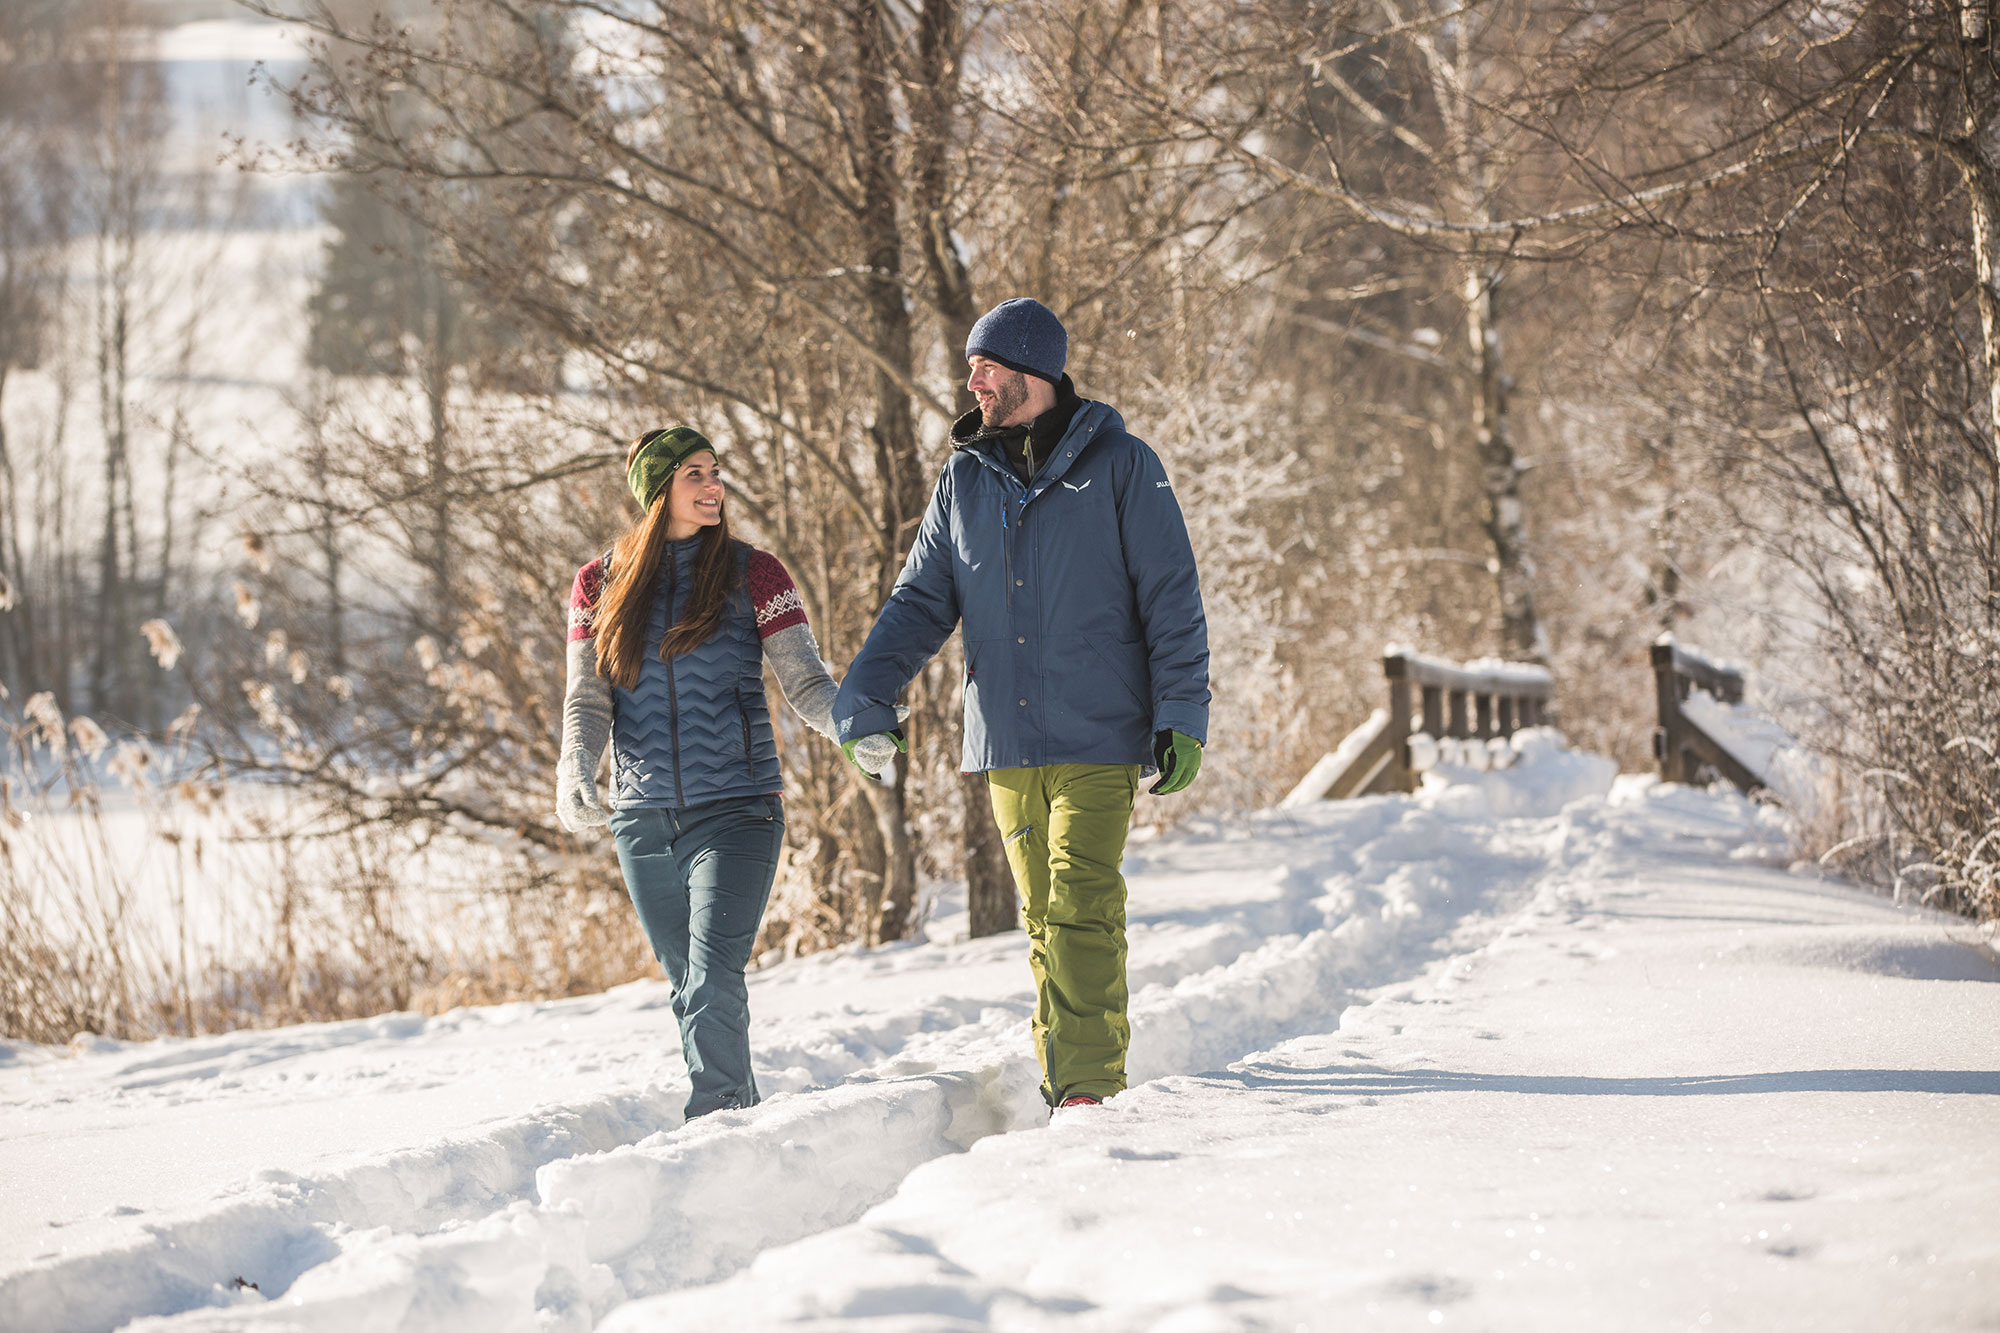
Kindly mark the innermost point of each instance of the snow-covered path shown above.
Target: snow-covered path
(1527, 1050)
(1734, 1101)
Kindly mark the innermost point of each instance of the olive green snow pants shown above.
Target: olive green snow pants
(1064, 827)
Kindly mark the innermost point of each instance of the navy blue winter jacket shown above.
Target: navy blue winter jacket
(1084, 631)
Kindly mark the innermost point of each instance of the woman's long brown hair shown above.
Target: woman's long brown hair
(627, 601)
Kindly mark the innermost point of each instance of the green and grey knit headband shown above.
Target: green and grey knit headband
(660, 454)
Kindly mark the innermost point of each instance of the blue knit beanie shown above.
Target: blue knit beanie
(1024, 335)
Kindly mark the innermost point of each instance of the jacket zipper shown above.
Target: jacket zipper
(1008, 524)
(1007, 550)
(1007, 532)
(673, 697)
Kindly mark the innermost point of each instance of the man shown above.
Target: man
(1055, 537)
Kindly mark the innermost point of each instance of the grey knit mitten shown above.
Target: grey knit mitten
(577, 805)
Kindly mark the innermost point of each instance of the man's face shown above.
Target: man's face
(1002, 393)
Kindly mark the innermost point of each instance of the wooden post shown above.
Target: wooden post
(1397, 668)
(1456, 728)
(1506, 715)
(1682, 747)
(1667, 697)
(1482, 707)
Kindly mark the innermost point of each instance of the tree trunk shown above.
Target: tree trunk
(435, 372)
(327, 537)
(105, 667)
(17, 621)
(63, 644)
(1456, 75)
(989, 883)
(1982, 192)
(1523, 638)
(1663, 575)
(895, 428)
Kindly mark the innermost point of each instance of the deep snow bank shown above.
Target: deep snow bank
(1246, 935)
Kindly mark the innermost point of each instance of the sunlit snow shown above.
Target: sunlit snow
(1535, 1048)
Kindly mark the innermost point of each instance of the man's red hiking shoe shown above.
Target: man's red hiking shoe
(1079, 1099)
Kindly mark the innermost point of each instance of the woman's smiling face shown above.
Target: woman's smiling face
(694, 499)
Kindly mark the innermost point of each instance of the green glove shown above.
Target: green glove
(1179, 758)
(872, 753)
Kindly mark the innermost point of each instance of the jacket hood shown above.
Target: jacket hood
(1091, 420)
(969, 424)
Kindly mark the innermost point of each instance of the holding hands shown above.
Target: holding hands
(873, 753)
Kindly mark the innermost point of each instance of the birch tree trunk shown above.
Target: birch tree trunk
(1523, 636)
(1459, 73)
(1980, 168)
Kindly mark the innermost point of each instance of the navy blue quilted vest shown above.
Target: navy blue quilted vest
(696, 728)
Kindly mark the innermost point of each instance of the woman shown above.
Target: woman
(668, 635)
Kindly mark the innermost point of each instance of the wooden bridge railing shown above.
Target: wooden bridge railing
(1428, 696)
(1683, 748)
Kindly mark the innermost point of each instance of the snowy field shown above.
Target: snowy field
(195, 896)
(1533, 1049)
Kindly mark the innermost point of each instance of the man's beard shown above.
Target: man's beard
(1008, 395)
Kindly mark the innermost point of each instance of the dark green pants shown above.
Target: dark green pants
(1065, 827)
